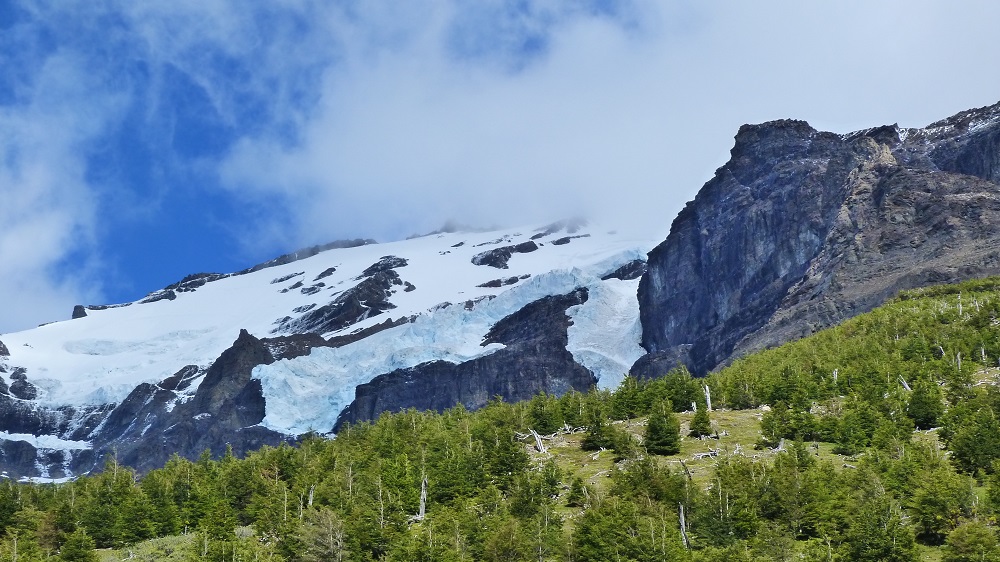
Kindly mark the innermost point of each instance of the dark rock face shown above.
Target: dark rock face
(496, 283)
(296, 345)
(284, 278)
(325, 273)
(368, 298)
(385, 263)
(654, 365)
(567, 239)
(20, 387)
(498, 257)
(308, 253)
(79, 311)
(152, 424)
(358, 335)
(802, 229)
(4, 352)
(313, 289)
(632, 270)
(23, 389)
(168, 294)
(230, 373)
(193, 281)
(535, 359)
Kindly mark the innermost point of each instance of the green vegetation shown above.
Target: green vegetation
(875, 440)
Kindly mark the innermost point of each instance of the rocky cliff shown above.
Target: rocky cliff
(534, 359)
(802, 229)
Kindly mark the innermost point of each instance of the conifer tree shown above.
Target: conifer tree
(701, 424)
(925, 406)
(626, 402)
(79, 547)
(599, 435)
(577, 494)
(663, 435)
(972, 541)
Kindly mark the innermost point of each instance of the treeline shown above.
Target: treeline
(462, 485)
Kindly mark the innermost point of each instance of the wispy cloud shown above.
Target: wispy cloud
(47, 210)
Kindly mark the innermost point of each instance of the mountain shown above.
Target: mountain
(802, 229)
(313, 339)
(798, 231)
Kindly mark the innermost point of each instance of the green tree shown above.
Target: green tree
(600, 435)
(545, 414)
(976, 443)
(878, 533)
(701, 424)
(680, 388)
(663, 431)
(926, 404)
(626, 402)
(857, 428)
(939, 500)
(79, 547)
(620, 530)
(578, 493)
(972, 541)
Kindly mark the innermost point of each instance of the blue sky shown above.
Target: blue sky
(142, 141)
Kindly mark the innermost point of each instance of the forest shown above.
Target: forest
(877, 439)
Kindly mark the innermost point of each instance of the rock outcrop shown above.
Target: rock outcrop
(802, 229)
(159, 420)
(368, 298)
(533, 360)
(498, 257)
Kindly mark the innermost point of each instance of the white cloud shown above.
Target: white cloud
(625, 120)
(47, 211)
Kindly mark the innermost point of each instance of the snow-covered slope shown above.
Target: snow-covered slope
(445, 291)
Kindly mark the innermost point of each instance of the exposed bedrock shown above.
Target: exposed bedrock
(498, 257)
(158, 420)
(535, 359)
(802, 229)
(631, 270)
(368, 298)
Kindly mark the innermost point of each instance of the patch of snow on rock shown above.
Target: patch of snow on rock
(50, 442)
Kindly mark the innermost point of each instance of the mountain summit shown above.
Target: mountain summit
(802, 229)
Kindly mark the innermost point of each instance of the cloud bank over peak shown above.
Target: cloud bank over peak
(147, 141)
(423, 133)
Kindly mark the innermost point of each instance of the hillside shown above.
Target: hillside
(799, 463)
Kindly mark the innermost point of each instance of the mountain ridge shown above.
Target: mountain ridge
(799, 230)
(803, 228)
(269, 353)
